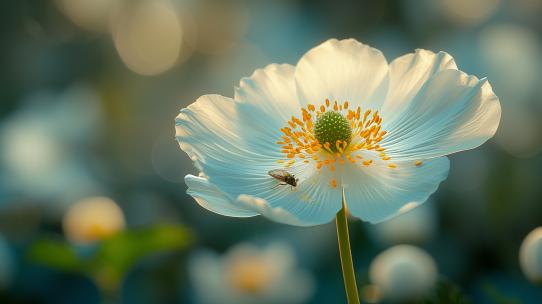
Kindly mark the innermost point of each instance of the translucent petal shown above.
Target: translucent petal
(221, 138)
(211, 198)
(451, 112)
(272, 89)
(344, 70)
(408, 74)
(377, 193)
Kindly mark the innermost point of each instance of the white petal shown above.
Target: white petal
(271, 89)
(236, 157)
(222, 141)
(377, 193)
(452, 112)
(408, 74)
(312, 202)
(343, 70)
(211, 198)
(275, 214)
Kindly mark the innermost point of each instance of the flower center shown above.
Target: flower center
(249, 274)
(331, 134)
(333, 127)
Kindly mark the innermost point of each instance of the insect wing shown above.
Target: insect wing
(279, 174)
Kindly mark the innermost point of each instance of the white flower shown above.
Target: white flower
(43, 146)
(403, 272)
(341, 120)
(530, 255)
(248, 274)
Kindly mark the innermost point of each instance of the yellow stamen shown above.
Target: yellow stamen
(298, 139)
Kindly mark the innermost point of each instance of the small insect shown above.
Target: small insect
(284, 176)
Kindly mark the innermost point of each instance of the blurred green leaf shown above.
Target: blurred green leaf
(126, 248)
(55, 253)
(114, 256)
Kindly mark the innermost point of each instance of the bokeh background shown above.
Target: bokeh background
(92, 200)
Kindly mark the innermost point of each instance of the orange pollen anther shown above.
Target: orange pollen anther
(298, 140)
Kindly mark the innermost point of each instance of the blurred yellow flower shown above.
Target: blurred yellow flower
(250, 274)
(92, 219)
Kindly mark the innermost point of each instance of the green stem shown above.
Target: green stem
(346, 255)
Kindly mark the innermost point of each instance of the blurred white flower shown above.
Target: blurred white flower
(414, 225)
(403, 272)
(530, 255)
(43, 145)
(92, 219)
(249, 274)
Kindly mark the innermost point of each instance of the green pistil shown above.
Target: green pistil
(332, 127)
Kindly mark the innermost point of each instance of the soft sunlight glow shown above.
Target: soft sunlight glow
(148, 36)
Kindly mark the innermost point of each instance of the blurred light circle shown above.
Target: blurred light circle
(403, 272)
(91, 15)
(93, 219)
(530, 255)
(220, 26)
(468, 12)
(189, 37)
(416, 224)
(148, 36)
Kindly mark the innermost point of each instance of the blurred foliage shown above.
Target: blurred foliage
(108, 261)
(446, 292)
(497, 297)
